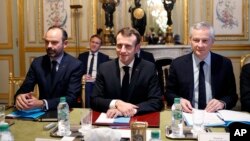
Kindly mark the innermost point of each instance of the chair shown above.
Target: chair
(245, 59)
(14, 85)
(80, 101)
(162, 67)
(83, 92)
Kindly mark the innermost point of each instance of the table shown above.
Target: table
(25, 130)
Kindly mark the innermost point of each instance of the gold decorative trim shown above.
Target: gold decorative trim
(41, 49)
(186, 21)
(20, 4)
(244, 59)
(231, 47)
(94, 18)
(28, 22)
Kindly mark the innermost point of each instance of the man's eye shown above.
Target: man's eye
(119, 46)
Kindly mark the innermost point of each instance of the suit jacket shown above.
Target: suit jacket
(245, 88)
(144, 90)
(147, 56)
(181, 80)
(67, 81)
(100, 59)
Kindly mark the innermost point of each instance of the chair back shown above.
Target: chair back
(162, 67)
(245, 59)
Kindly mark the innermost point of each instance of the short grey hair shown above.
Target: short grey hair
(202, 25)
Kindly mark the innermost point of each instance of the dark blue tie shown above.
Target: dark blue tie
(202, 88)
(91, 64)
(53, 71)
(125, 83)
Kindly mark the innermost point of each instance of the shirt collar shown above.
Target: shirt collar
(130, 64)
(90, 53)
(207, 60)
(58, 59)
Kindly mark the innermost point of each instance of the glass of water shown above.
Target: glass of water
(198, 120)
(2, 113)
(86, 121)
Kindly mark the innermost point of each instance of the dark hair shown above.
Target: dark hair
(129, 31)
(97, 36)
(64, 33)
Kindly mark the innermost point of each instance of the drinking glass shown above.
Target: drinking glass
(2, 113)
(86, 121)
(198, 120)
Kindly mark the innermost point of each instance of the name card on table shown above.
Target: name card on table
(214, 137)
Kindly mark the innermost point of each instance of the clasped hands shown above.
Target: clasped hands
(212, 106)
(27, 101)
(122, 109)
(88, 78)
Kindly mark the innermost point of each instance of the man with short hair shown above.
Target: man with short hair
(91, 61)
(126, 85)
(202, 79)
(56, 73)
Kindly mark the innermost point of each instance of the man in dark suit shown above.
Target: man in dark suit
(90, 69)
(211, 87)
(146, 55)
(126, 85)
(57, 74)
(245, 87)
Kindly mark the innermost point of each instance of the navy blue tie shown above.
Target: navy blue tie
(53, 70)
(91, 64)
(202, 88)
(125, 83)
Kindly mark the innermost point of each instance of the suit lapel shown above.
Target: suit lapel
(85, 61)
(190, 71)
(117, 78)
(46, 66)
(214, 65)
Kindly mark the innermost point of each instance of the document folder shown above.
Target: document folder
(153, 120)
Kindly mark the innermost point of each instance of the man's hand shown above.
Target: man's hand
(27, 101)
(113, 113)
(186, 105)
(214, 105)
(88, 78)
(127, 109)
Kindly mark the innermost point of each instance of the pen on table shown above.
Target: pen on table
(219, 116)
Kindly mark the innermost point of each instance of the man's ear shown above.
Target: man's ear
(137, 47)
(65, 43)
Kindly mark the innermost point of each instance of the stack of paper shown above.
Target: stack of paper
(230, 116)
(220, 118)
(210, 119)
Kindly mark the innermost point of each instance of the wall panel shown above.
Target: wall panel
(6, 24)
(7, 62)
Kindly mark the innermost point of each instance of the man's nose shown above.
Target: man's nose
(123, 48)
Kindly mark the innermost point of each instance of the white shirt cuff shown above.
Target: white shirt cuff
(46, 106)
(112, 104)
